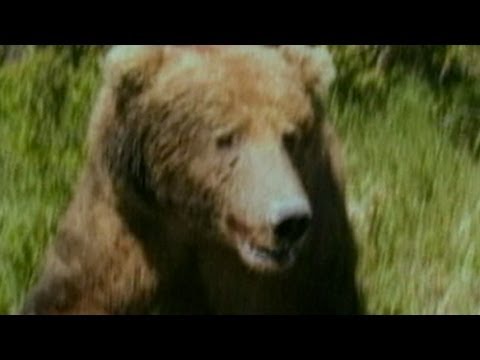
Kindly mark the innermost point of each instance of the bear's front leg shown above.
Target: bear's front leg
(80, 280)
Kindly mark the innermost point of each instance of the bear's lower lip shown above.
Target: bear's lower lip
(279, 255)
(258, 257)
(267, 259)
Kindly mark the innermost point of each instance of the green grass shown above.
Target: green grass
(413, 193)
(44, 104)
(414, 201)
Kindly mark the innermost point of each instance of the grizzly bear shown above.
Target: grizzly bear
(213, 185)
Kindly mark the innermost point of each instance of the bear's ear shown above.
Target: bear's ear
(315, 63)
(128, 71)
(129, 68)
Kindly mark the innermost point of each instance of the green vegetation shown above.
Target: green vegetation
(44, 105)
(410, 121)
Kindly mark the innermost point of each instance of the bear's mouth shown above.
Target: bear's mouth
(265, 259)
(258, 257)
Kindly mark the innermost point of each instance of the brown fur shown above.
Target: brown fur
(152, 227)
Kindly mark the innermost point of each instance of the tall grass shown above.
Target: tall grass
(44, 102)
(414, 194)
(415, 202)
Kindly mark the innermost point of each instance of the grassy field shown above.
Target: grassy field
(414, 193)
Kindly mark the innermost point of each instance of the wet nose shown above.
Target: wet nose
(292, 223)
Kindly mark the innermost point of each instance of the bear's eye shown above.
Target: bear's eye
(226, 141)
(290, 140)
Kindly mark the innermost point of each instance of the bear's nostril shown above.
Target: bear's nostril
(292, 229)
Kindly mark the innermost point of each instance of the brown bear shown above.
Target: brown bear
(213, 186)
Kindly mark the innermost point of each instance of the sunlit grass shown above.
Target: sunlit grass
(44, 103)
(415, 202)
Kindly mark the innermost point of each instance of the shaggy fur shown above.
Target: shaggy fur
(187, 147)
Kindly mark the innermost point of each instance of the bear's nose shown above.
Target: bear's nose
(292, 223)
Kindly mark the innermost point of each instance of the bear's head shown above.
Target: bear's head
(225, 137)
